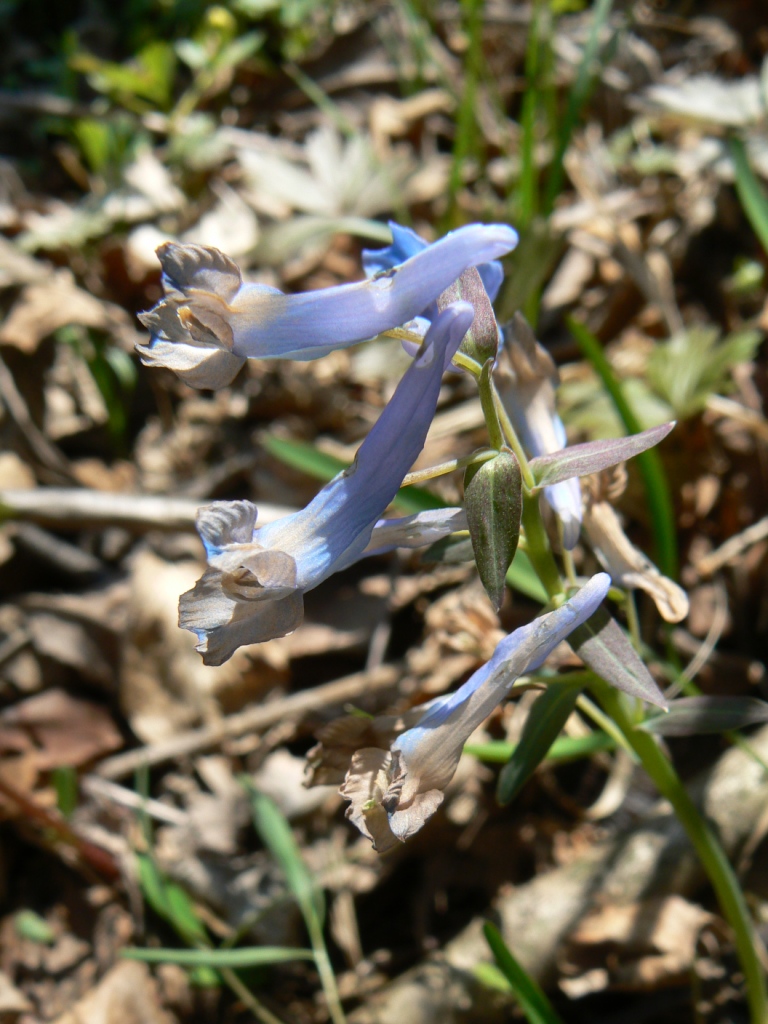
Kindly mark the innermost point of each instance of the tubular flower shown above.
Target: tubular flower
(526, 378)
(253, 588)
(210, 321)
(392, 792)
(406, 244)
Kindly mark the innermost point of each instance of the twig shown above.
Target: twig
(261, 717)
(76, 508)
(732, 548)
(96, 857)
(47, 453)
(103, 789)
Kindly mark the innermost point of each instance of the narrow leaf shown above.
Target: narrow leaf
(534, 1004)
(277, 836)
(493, 497)
(251, 956)
(649, 463)
(691, 716)
(583, 459)
(565, 748)
(604, 647)
(523, 577)
(310, 460)
(547, 717)
(752, 197)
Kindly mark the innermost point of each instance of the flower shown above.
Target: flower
(406, 244)
(477, 285)
(210, 321)
(526, 379)
(253, 588)
(392, 792)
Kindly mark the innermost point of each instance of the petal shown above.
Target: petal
(224, 623)
(427, 755)
(416, 530)
(366, 782)
(336, 526)
(406, 243)
(268, 325)
(224, 523)
(565, 501)
(199, 366)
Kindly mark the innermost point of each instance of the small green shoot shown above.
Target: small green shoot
(534, 1004)
(649, 462)
(277, 837)
(31, 926)
(753, 198)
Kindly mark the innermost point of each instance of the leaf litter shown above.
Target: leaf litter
(290, 158)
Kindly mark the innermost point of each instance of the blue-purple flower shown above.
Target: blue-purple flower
(406, 244)
(253, 588)
(526, 378)
(392, 792)
(210, 321)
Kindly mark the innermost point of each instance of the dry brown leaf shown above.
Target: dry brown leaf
(125, 995)
(45, 306)
(65, 731)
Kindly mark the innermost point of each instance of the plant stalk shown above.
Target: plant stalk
(711, 854)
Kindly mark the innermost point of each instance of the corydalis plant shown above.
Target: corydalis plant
(394, 789)
(210, 321)
(254, 587)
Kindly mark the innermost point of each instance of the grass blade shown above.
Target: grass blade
(753, 198)
(565, 748)
(534, 1004)
(649, 462)
(250, 956)
(579, 94)
(278, 838)
(308, 459)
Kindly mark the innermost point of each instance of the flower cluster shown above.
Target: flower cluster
(207, 325)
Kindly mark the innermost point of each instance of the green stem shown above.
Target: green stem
(710, 852)
(325, 970)
(490, 412)
(513, 441)
(432, 472)
(538, 549)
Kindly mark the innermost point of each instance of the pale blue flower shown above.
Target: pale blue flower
(254, 586)
(210, 321)
(526, 378)
(406, 244)
(393, 792)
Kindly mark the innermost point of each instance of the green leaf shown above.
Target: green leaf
(308, 459)
(170, 902)
(547, 717)
(649, 463)
(524, 578)
(695, 364)
(65, 783)
(749, 191)
(565, 748)
(251, 956)
(604, 647)
(31, 926)
(493, 497)
(277, 837)
(583, 459)
(692, 716)
(534, 1004)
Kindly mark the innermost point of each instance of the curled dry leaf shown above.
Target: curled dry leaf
(627, 565)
